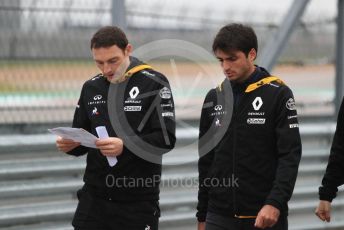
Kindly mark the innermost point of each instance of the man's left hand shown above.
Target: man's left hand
(110, 147)
(267, 217)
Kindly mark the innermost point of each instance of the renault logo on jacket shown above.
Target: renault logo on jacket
(257, 103)
(134, 92)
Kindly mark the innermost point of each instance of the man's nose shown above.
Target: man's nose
(226, 66)
(107, 68)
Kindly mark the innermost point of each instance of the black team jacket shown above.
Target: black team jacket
(256, 161)
(145, 109)
(334, 176)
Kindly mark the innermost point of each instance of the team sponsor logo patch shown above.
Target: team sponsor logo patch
(257, 103)
(293, 126)
(132, 108)
(291, 117)
(256, 121)
(95, 78)
(95, 111)
(291, 104)
(166, 105)
(145, 72)
(97, 97)
(96, 100)
(165, 93)
(132, 101)
(167, 114)
(272, 84)
(134, 92)
(217, 122)
(256, 113)
(218, 113)
(218, 107)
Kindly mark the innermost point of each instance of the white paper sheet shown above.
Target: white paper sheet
(102, 133)
(76, 134)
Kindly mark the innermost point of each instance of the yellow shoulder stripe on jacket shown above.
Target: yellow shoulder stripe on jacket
(136, 69)
(262, 82)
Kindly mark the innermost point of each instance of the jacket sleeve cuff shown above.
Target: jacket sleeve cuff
(201, 216)
(274, 203)
(78, 151)
(327, 194)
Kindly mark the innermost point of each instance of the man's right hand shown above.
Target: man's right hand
(201, 226)
(66, 145)
(323, 210)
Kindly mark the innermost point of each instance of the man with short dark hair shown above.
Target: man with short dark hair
(261, 146)
(334, 175)
(121, 189)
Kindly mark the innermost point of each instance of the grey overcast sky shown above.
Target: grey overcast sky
(271, 11)
(165, 13)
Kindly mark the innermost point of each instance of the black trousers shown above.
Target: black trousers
(94, 213)
(218, 222)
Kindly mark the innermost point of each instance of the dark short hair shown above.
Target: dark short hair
(235, 37)
(108, 36)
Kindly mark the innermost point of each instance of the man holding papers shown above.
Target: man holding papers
(126, 105)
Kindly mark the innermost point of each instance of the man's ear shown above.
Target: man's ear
(252, 55)
(128, 49)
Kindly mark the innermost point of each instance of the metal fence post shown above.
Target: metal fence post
(339, 83)
(279, 39)
(118, 12)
